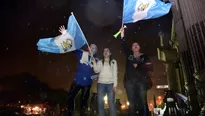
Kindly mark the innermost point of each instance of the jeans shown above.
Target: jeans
(102, 90)
(84, 98)
(137, 96)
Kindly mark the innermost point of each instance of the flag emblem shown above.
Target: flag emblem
(142, 6)
(67, 45)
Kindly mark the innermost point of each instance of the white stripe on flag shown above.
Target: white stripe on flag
(65, 42)
(142, 8)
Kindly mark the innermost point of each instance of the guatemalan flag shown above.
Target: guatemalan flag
(135, 10)
(72, 40)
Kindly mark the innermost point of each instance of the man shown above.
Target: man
(82, 79)
(136, 80)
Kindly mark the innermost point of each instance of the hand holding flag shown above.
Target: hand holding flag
(122, 32)
(119, 32)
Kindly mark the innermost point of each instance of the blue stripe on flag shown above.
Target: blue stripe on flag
(47, 42)
(50, 50)
(128, 10)
(159, 9)
(74, 30)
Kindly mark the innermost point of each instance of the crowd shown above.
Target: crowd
(136, 78)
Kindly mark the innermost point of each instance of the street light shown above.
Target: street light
(128, 103)
(162, 86)
(159, 99)
(105, 99)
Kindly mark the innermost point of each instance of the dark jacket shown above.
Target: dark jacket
(139, 74)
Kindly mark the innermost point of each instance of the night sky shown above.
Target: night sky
(26, 21)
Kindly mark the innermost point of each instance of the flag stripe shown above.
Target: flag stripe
(80, 30)
(158, 9)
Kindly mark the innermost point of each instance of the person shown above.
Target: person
(136, 77)
(107, 81)
(83, 78)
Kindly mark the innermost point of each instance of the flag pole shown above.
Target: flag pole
(122, 14)
(123, 11)
(82, 32)
(118, 33)
(85, 40)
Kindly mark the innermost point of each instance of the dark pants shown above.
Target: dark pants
(84, 98)
(137, 96)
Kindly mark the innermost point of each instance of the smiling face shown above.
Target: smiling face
(93, 48)
(106, 53)
(135, 47)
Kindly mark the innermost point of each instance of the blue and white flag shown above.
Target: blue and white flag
(72, 40)
(135, 10)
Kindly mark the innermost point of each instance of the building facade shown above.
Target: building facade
(189, 20)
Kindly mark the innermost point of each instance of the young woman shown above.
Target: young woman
(136, 80)
(107, 82)
(82, 80)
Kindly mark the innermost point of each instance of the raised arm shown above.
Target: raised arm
(126, 49)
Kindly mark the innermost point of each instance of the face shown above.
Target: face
(106, 52)
(135, 47)
(93, 48)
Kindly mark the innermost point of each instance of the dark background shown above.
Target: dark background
(24, 22)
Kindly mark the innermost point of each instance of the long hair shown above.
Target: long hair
(110, 58)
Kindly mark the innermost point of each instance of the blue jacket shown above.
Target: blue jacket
(84, 71)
